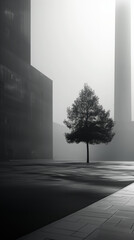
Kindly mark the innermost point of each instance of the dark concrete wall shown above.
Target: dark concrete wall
(15, 27)
(26, 115)
(25, 93)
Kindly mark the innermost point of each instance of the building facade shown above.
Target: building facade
(25, 93)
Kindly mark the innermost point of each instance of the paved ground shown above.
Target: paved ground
(35, 193)
(111, 218)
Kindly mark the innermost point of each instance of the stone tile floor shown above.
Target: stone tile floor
(111, 218)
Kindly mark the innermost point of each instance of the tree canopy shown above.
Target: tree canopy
(88, 121)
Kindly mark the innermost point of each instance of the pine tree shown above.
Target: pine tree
(88, 121)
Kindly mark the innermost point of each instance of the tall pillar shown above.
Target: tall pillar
(122, 112)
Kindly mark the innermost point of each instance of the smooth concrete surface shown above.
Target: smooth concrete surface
(111, 218)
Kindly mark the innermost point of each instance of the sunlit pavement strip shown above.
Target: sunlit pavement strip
(111, 218)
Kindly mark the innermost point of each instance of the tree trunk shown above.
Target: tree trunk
(87, 152)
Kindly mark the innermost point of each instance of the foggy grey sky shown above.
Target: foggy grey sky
(73, 43)
(132, 56)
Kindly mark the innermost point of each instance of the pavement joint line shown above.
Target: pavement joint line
(91, 233)
(132, 226)
(119, 200)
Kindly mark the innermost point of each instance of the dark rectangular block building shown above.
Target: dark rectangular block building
(25, 93)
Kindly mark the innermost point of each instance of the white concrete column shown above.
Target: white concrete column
(122, 103)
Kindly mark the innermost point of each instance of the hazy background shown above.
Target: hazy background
(132, 55)
(73, 44)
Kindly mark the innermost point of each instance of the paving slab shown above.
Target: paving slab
(111, 218)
